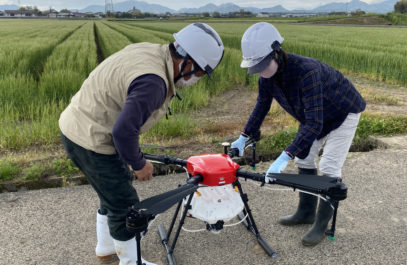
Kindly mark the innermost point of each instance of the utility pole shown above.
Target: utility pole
(108, 6)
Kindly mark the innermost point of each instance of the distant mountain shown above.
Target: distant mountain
(353, 5)
(223, 8)
(276, 9)
(383, 7)
(93, 9)
(206, 8)
(8, 7)
(128, 5)
(230, 7)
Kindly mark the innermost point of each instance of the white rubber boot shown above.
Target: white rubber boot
(105, 250)
(127, 252)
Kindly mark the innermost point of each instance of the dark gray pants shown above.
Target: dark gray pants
(112, 181)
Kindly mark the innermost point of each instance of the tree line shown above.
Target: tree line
(401, 7)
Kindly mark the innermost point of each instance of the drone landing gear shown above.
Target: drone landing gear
(165, 237)
(140, 214)
(249, 223)
(137, 223)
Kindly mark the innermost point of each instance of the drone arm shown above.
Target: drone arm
(150, 202)
(168, 202)
(323, 185)
(139, 215)
(250, 175)
(166, 159)
(331, 187)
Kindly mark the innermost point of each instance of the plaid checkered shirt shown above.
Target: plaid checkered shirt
(315, 94)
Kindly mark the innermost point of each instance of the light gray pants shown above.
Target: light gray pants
(336, 148)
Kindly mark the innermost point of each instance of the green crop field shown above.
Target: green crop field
(44, 62)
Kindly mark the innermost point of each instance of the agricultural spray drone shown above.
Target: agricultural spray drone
(213, 194)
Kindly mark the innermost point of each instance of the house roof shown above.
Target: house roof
(19, 11)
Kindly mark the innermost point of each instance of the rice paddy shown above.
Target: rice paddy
(44, 62)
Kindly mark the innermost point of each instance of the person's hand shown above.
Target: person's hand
(240, 144)
(146, 173)
(278, 165)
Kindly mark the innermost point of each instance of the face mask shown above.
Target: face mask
(270, 70)
(184, 83)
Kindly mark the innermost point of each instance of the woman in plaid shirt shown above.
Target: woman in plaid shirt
(325, 103)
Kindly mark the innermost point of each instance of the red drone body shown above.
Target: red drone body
(216, 169)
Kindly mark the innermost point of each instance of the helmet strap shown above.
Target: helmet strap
(184, 64)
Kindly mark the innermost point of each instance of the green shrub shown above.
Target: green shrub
(34, 171)
(369, 125)
(8, 170)
(176, 126)
(397, 19)
(64, 167)
(273, 145)
(381, 124)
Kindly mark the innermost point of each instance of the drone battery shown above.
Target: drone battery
(215, 169)
(215, 203)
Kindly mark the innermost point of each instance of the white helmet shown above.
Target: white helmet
(203, 44)
(257, 43)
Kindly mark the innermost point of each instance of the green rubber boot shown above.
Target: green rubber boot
(317, 231)
(305, 213)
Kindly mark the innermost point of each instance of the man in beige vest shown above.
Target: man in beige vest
(122, 98)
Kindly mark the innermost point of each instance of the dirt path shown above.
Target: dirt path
(231, 110)
(383, 93)
(236, 105)
(233, 107)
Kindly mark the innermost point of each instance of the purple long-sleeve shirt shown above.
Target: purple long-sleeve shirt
(145, 94)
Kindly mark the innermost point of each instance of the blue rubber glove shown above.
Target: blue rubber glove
(278, 165)
(240, 144)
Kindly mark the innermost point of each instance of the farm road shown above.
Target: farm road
(57, 226)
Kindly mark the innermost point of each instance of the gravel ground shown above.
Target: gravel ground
(57, 226)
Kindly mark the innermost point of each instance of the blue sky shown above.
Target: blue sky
(177, 4)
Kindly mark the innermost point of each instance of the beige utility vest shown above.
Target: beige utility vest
(89, 119)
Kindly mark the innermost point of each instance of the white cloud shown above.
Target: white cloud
(60, 4)
(6, 2)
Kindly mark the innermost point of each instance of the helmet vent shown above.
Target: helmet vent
(210, 32)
